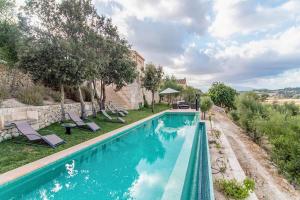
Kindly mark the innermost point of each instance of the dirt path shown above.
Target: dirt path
(255, 162)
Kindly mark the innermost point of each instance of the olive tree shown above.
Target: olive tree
(152, 80)
(205, 105)
(222, 95)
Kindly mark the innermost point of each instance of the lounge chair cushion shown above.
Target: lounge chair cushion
(26, 130)
(121, 119)
(53, 140)
(124, 111)
(122, 114)
(93, 126)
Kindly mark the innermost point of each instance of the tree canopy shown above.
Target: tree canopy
(222, 95)
(205, 104)
(69, 43)
(152, 79)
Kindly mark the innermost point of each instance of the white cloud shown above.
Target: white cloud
(288, 78)
(237, 63)
(248, 16)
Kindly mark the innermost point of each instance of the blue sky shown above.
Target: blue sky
(244, 43)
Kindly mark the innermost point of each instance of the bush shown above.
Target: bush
(32, 95)
(205, 104)
(249, 109)
(235, 190)
(290, 109)
(234, 115)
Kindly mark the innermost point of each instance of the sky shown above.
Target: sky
(244, 43)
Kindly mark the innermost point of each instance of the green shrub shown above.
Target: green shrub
(205, 104)
(289, 109)
(32, 95)
(249, 109)
(235, 190)
(234, 115)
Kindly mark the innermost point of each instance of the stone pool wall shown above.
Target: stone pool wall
(37, 116)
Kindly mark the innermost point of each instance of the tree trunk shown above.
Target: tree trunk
(103, 96)
(62, 103)
(82, 105)
(96, 94)
(92, 91)
(152, 102)
(204, 115)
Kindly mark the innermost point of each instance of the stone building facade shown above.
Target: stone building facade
(132, 95)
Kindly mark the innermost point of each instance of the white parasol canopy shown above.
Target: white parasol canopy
(169, 91)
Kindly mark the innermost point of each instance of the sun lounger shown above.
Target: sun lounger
(114, 111)
(111, 119)
(119, 109)
(80, 123)
(32, 135)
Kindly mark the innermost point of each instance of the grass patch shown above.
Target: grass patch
(15, 155)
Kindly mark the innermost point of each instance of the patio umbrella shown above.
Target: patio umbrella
(169, 92)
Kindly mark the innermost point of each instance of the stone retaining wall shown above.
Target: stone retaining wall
(38, 116)
(14, 78)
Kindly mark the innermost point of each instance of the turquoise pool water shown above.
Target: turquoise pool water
(150, 161)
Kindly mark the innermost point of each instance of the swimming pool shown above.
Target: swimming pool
(163, 158)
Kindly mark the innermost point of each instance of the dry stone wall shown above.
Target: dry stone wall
(14, 78)
(38, 116)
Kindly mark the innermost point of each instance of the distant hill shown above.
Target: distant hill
(282, 93)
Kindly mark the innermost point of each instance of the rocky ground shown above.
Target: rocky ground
(253, 160)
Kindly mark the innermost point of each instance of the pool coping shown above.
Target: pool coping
(35, 165)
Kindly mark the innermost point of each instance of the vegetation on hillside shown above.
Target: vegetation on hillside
(279, 124)
(282, 93)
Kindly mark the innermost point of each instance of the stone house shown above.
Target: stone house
(182, 82)
(132, 95)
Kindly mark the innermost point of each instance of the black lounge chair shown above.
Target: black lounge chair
(32, 135)
(111, 119)
(81, 124)
(119, 109)
(183, 105)
(114, 111)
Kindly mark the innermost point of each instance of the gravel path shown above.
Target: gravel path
(255, 162)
